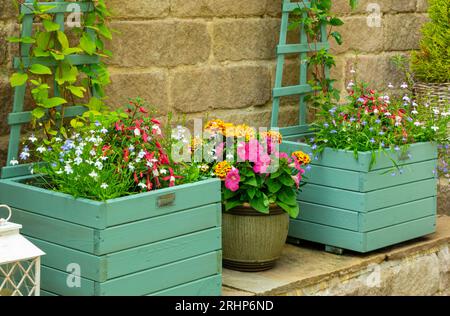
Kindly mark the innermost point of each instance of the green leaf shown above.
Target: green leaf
(62, 38)
(42, 40)
(232, 204)
(57, 56)
(251, 193)
(87, 44)
(273, 185)
(337, 36)
(53, 102)
(336, 21)
(66, 73)
(38, 112)
(287, 196)
(104, 31)
(38, 52)
(292, 210)
(77, 91)
(261, 203)
(76, 124)
(353, 4)
(72, 50)
(50, 26)
(25, 40)
(286, 180)
(251, 181)
(228, 194)
(18, 79)
(40, 69)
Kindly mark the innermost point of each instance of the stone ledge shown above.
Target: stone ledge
(310, 270)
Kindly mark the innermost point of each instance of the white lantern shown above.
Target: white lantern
(20, 261)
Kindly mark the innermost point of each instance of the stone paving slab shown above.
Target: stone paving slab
(308, 265)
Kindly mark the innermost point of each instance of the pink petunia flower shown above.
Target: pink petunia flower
(232, 180)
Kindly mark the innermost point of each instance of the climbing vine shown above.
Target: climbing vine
(319, 24)
(51, 60)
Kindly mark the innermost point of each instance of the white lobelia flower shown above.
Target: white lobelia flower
(155, 172)
(32, 138)
(415, 112)
(445, 114)
(78, 151)
(435, 128)
(137, 132)
(59, 172)
(149, 164)
(417, 123)
(78, 161)
(163, 171)
(375, 111)
(93, 174)
(390, 86)
(352, 71)
(68, 169)
(141, 154)
(387, 114)
(404, 85)
(104, 186)
(142, 185)
(58, 139)
(436, 111)
(131, 167)
(104, 158)
(92, 153)
(98, 165)
(103, 130)
(14, 162)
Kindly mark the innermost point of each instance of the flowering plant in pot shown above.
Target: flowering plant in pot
(259, 193)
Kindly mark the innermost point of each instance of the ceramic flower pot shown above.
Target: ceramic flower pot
(253, 241)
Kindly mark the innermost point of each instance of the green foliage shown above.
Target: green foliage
(432, 62)
(73, 82)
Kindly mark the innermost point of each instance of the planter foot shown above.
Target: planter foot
(293, 241)
(334, 250)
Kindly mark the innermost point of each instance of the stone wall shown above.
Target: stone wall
(218, 56)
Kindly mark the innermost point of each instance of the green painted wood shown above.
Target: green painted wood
(289, 6)
(210, 286)
(382, 178)
(294, 130)
(293, 90)
(56, 231)
(19, 93)
(59, 257)
(336, 178)
(159, 228)
(163, 252)
(55, 281)
(25, 117)
(401, 232)
(75, 59)
(400, 194)
(327, 235)
(47, 293)
(330, 216)
(341, 159)
(144, 205)
(27, 9)
(163, 277)
(52, 204)
(301, 48)
(365, 202)
(397, 214)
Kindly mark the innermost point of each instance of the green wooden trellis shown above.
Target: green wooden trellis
(18, 116)
(303, 88)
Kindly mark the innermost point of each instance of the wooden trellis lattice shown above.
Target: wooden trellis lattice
(303, 88)
(18, 116)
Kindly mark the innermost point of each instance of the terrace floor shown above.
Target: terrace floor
(417, 267)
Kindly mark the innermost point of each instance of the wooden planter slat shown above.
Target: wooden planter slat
(204, 287)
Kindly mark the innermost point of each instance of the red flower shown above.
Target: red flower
(143, 110)
(126, 155)
(171, 178)
(155, 121)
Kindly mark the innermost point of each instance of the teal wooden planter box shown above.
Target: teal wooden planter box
(166, 242)
(344, 205)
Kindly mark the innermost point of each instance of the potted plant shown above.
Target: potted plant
(259, 190)
(431, 64)
(99, 192)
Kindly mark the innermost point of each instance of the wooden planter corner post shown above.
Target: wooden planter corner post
(347, 205)
(164, 242)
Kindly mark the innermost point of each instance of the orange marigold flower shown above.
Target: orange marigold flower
(273, 135)
(301, 157)
(221, 169)
(244, 130)
(218, 126)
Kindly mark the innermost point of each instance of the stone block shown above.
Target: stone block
(202, 89)
(139, 8)
(152, 86)
(216, 8)
(160, 43)
(342, 7)
(245, 39)
(402, 31)
(5, 104)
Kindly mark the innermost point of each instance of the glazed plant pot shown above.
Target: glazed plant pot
(253, 241)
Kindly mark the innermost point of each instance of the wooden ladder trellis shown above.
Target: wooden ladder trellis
(18, 116)
(303, 88)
